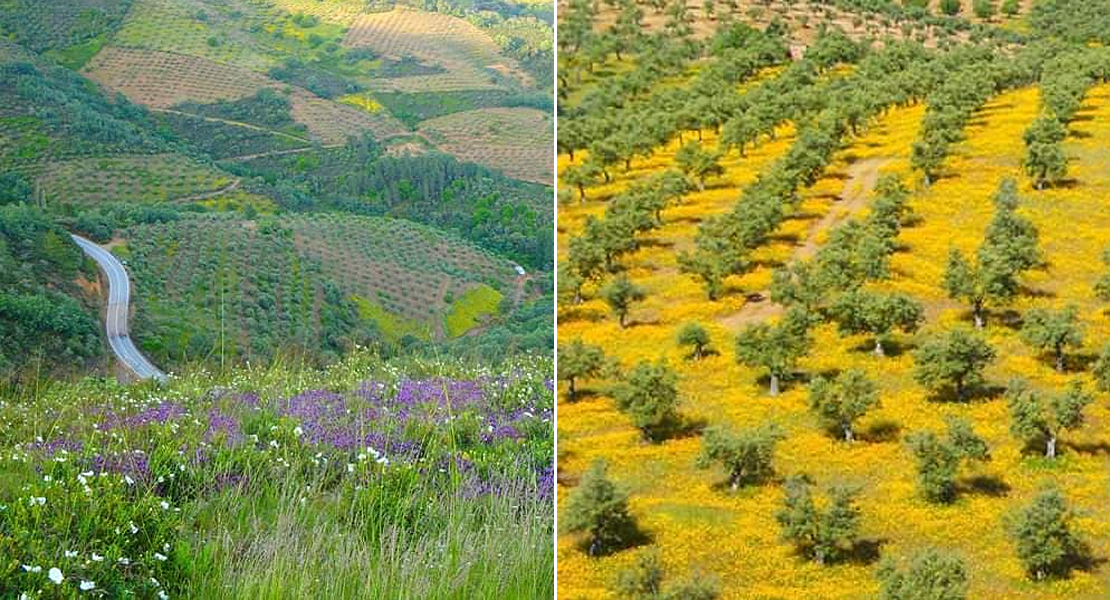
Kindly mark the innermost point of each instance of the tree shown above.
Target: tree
(984, 9)
(798, 284)
(598, 509)
(930, 575)
(775, 348)
(578, 360)
(950, 7)
(748, 456)
(581, 176)
(1053, 331)
(715, 257)
(956, 358)
(1010, 239)
(14, 188)
(1037, 419)
(644, 579)
(877, 314)
(1102, 286)
(823, 535)
(841, 402)
(620, 294)
(1011, 7)
(938, 460)
(1101, 369)
(1045, 160)
(967, 282)
(650, 396)
(1042, 532)
(693, 334)
(698, 163)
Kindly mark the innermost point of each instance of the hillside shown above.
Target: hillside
(139, 122)
(835, 327)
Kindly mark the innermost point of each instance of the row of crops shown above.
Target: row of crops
(214, 286)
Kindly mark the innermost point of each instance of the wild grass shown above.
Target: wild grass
(406, 478)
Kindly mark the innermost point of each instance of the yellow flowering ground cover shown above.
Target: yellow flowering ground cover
(692, 517)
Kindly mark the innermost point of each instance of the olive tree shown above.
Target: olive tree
(775, 348)
(748, 455)
(599, 510)
(1043, 534)
(1053, 331)
(930, 575)
(1039, 418)
(840, 402)
(955, 358)
(824, 535)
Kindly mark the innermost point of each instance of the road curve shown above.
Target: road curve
(115, 320)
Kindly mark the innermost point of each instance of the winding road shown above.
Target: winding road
(115, 319)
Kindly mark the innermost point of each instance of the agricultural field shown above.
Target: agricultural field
(516, 141)
(146, 179)
(862, 354)
(332, 60)
(470, 58)
(416, 273)
(217, 286)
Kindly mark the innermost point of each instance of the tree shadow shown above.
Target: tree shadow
(1009, 318)
(984, 485)
(581, 395)
(977, 393)
(1035, 293)
(891, 348)
(629, 535)
(865, 552)
(1080, 134)
(580, 313)
(1079, 361)
(1091, 448)
(680, 427)
(705, 353)
(655, 243)
(882, 431)
(767, 263)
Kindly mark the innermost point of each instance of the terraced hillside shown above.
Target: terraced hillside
(167, 119)
(219, 286)
(780, 283)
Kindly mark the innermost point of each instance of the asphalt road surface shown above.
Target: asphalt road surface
(115, 320)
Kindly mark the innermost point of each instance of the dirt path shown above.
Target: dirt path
(235, 123)
(205, 196)
(863, 175)
(281, 152)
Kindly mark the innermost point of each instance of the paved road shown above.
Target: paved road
(119, 295)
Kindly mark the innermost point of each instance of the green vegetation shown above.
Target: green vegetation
(48, 325)
(153, 491)
(468, 310)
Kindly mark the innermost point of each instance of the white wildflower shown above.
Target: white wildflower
(165, 505)
(87, 585)
(32, 569)
(55, 575)
(159, 556)
(96, 557)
